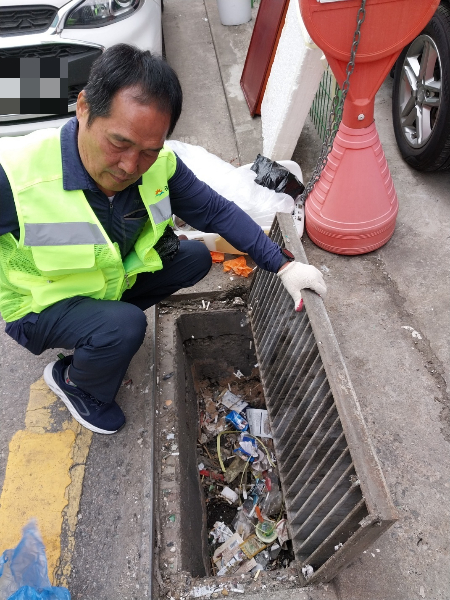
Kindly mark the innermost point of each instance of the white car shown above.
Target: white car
(78, 30)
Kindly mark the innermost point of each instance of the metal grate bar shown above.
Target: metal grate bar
(321, 106)
(322, 458)
(332, 483)
(311, 443)
(287, 389)
(327, 523)
(261, 284)
(272, 285)
(302, 504)
(258, 286)
(270, 344)
(332, 487)
(306, 425)
(292, 392)
(269, 316)
(288, 353)
(293, 427)
(260, 297)
(339, 534)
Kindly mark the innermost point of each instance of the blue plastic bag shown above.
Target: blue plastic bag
(23, 570)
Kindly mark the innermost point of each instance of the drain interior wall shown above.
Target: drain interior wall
(213, 345)
(192, 521)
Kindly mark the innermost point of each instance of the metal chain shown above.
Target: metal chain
(335, 116)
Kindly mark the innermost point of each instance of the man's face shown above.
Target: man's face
(118, 149)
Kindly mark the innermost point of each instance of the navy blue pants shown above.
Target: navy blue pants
(106, 334)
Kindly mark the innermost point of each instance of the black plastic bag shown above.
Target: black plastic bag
(271, 175)
(168, 244)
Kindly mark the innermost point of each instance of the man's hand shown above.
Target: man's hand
(296, 276)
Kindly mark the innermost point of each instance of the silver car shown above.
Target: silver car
(77, 31)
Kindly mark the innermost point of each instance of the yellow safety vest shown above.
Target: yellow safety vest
(63, 250)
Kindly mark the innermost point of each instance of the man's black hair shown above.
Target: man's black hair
(123, 66)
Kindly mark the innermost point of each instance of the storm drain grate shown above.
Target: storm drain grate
(336, 497)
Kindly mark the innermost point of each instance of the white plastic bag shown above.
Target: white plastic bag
(237, 184)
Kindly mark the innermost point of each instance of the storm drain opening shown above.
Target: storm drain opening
(245, 516)
(232, 518)
(334, 500)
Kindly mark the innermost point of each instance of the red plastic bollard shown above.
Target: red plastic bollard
(353, 207)
(358, 215)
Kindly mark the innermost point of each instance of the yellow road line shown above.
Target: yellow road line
(43, 480)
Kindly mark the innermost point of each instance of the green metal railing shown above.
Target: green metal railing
(321, 106)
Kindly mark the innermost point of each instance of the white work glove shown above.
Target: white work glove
(296, 276)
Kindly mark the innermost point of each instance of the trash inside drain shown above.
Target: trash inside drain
(246, 517)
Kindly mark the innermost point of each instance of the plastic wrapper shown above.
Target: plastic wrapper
(217, 257)
(220, 532)
(282, 530)
(237, 421)
(235, 184)
(248, 446)
(274, 176)
(258, 422)
(243, 525)
(29, 593)
(247, 508)
(231, 401)
(272, 481)
(272, 503)
(263, 558)
(238, 265)
(23, 570)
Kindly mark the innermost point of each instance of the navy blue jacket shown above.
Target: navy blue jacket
(123, 219)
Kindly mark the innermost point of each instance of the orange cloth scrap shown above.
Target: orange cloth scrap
(217, 257)
(238, 265)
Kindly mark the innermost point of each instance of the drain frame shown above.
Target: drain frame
(269, 336)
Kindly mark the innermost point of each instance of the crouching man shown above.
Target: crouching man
(85, 238)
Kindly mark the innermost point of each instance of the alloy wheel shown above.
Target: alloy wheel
(420, 91)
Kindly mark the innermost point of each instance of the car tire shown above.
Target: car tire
(421, 96)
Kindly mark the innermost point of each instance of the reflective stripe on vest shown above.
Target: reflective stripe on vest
(161, 211)
(63, 234)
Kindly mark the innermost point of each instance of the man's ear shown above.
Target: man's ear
(82, 110)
